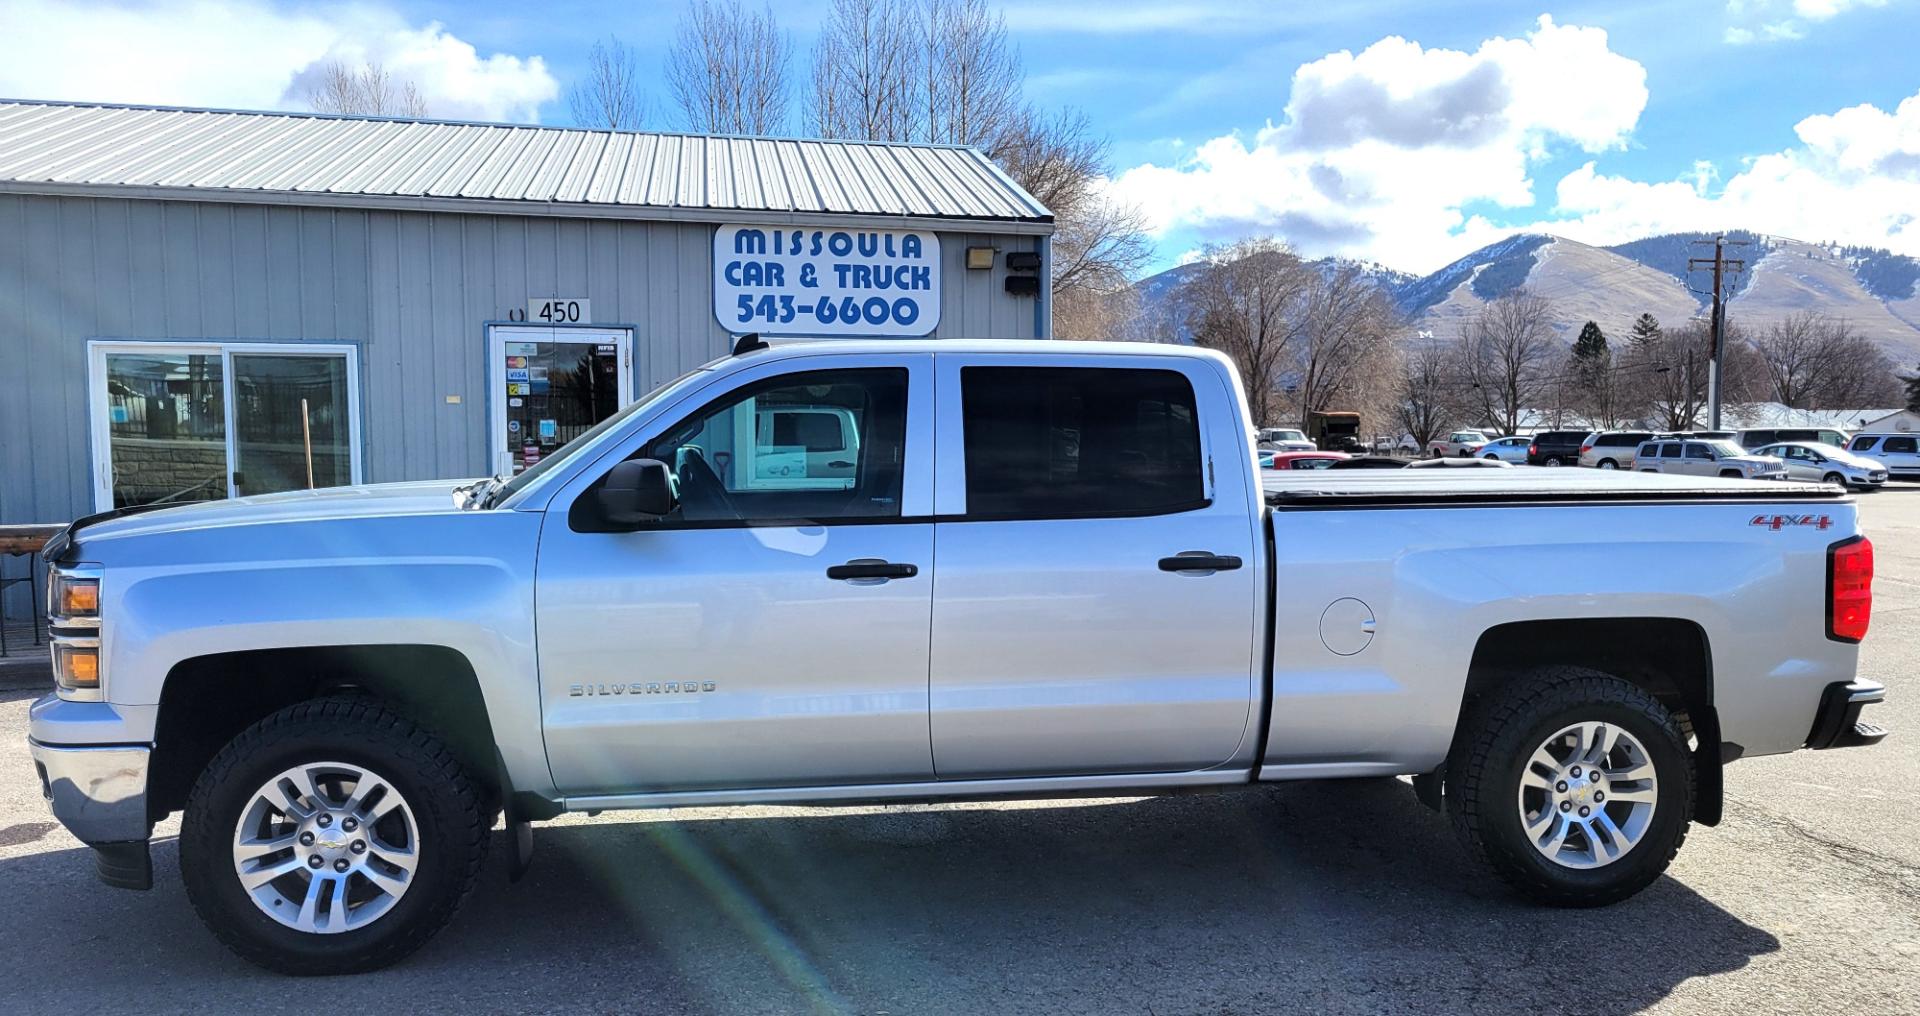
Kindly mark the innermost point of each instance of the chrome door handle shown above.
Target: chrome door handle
(872, 568)
(1199, 561)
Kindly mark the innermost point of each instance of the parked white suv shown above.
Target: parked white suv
(1824, 462)
(1706, 458)
(1612, 449)
(1900, 453)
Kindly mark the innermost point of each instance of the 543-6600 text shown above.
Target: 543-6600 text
(874, 310)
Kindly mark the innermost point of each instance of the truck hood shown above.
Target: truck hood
(417, 498)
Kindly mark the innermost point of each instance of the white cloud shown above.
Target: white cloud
(1854, 177)
(1381, 152)
(1750, 21)
(249, 54)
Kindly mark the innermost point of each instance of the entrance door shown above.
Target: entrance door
(549, 385)
(184, 422)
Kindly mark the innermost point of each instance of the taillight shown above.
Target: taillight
(1849, 589)
(1585, 448)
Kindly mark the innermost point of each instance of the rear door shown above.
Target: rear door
(1097, 608)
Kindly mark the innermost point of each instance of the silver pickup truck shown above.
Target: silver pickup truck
(1020, 570)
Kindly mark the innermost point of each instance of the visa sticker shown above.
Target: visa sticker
(516, 375)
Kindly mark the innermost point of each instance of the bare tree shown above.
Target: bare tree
(1667, 371)
(1506, 355)
(1243, 304)
(609, 98)
(865, 67)
(943, 71)
(727, 69)
(1423, 393)
(1340, 345)
(1811, 361)
(366, 90)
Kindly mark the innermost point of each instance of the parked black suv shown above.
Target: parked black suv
(1556, 448)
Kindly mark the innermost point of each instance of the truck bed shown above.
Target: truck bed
(1345, 488)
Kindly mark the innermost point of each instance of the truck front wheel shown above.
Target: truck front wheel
(1572, 785)
(332, 837)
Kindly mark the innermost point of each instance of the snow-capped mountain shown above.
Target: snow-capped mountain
(1876, 291)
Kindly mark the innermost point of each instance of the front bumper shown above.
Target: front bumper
(99, 792)
(1837, 724)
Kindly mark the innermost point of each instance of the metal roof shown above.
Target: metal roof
(303, 158)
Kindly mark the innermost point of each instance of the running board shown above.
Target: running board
(1116, 785)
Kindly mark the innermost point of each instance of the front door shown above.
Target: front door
(772, 630)
(183, 422)
(1097, 608)
(549, 385)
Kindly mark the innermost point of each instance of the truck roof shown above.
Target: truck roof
(1325, 488)
(1051, 347)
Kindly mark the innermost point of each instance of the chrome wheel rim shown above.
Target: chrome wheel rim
(1587, 795)
(326, 848)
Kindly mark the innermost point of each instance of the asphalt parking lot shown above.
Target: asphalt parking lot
(1341, 897)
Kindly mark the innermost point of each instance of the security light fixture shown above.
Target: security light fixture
(979, 258)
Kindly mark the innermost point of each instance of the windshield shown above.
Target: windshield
(1726, 448)
(586, 439)
(1289, 435)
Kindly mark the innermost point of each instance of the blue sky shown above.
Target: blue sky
(1408, 133)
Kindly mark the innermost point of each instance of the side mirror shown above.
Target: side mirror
(636, 492)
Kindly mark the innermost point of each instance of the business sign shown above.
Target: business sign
(826, 282)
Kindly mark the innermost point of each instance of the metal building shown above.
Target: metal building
(198, 304)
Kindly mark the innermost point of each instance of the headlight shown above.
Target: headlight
(76, 667)
(73, 596)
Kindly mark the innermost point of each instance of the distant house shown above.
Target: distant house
(1901, 420)
(1758, 415)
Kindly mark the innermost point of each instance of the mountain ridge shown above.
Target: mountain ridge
(1874, 289)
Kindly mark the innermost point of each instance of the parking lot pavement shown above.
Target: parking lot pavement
(1342, 897)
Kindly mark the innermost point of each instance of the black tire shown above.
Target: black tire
(1492, 748)
(1609, 464)
(1836, 479)
(1490, 456)
(448, 808)
(1730, 474)
(1553, 460)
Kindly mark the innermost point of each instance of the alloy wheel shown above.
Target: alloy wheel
(1587, 795)
(326, 847)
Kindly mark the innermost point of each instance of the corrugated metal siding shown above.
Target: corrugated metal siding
(410, 288)
(283, 153)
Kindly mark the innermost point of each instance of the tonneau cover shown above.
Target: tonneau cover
(1322, 488)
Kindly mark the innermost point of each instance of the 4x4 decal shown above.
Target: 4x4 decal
(1779, 522)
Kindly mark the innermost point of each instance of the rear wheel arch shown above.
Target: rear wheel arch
(1671, 658)
(206, 701)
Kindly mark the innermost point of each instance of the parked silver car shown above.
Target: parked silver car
(1506, 449)
(1706, 458)
(1810, 461)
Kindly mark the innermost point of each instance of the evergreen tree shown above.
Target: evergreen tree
(1913, 391)
(1645, 330)
(1592, 344)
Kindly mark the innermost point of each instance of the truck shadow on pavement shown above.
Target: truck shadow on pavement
(1328, 898)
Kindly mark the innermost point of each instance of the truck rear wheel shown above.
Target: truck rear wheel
(1573, 786)
(332, 837)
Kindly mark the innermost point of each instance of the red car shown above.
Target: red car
(1301, 460)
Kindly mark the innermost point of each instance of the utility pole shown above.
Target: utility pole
(1721, 266)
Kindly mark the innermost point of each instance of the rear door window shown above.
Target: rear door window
(1897, 445)
(1669, 451)
(1062, 442)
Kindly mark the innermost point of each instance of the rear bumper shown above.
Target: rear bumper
(1837, 724)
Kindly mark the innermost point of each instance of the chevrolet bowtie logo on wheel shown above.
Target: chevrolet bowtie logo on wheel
(1779, 522)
